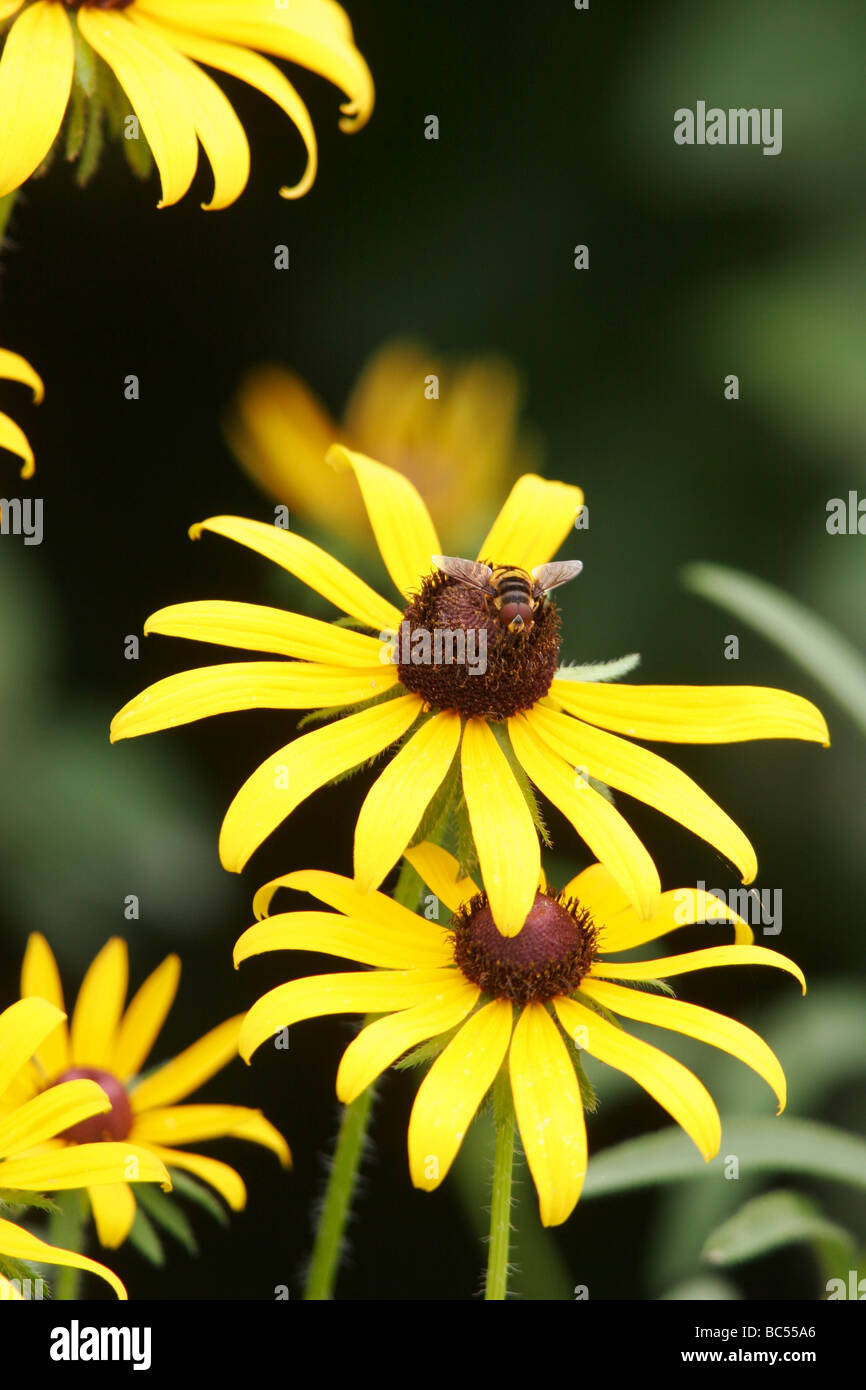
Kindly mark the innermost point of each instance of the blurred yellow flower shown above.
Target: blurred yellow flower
(32, 1157)
(153, 49)
(12, 437)
(458, 448)
(109, 1047)
(530, 1004)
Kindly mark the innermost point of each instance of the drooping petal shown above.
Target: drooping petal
(147, 1012)
(311, 565)
(157, 96)
(14, 367)
(397, 800)
(452, 1091)
(354, 938)
(382, 1042)
(244, 685)
(24, 1026)
(666, 1080)
(440, 871)
(549, 1112)
(83, 1165)
(260, 629)
(9, 7)
(373, 991)
(534, 521)
(13, 438)
(401, 523)
(113, 1208)
(651, 779)
(291, 775)
(189, 1069)
(599, 892)
(38, 56)
(679, 907)
(99, 1006)
(50, 1112)
(228, 1183)
(19, 1244)
(607, 833)
(695, 1022)
(693, 713)
(40, 976)
(696, 960)
(502, 828)
(192, 1124)
(344, 895)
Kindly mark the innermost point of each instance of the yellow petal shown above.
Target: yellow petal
(14, 367)
(533, 523)
(38, 56)
(598, 892)
(159, 98)
(24, 1026)
(259, 629)
(189, 1069)
(216, 124)
(311, 565)
(113, 1209)
(243, 685)
(13, 438)
(697, 960)
(374, 991)
(291, 775)
(440, 870)
(9, 7)
(382, 1042)
(191, 1124)
(502, 828)
(452, 1091)
(607, 833)
(344, 895)
(99, 1006)
(218, 1175)
(666, 1080)
(693, 713)
(47, 1114)
(360, 939)
(147, 1012)
(18, 1244)
(9, 1292)
(40, 976)
(679, 907)
(694, 1022)
(549, 1112)
(397, 800)
(83, 1165)
(651, 779)
(401, 523)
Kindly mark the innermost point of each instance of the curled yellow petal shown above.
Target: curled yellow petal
(697, 960)
(549, 1112)
(40, 976)
(38, 57)
(401, 523)
(260, 629)
(189, 1069)
(14, 367)
(140, 1025)
(502, 828)
(23, 1028)
(440, 871)
(113, 1207)
(382, 1042)
(19, 1244)
(420, 943)
(50, 1112)
(83, 1165)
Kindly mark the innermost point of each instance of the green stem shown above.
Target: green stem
(6, 206)
(343, 1176)
(66, 1229)
(496, 1287)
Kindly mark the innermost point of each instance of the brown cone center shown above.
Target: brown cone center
(549, 956)
(114, 1124)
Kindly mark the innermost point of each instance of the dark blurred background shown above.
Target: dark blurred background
(556, 128)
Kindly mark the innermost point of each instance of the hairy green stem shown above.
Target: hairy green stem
(496, 1286)
(66, 1229)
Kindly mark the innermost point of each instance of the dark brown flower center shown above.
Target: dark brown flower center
(114, 1124)
(550, 955)
(454, 649)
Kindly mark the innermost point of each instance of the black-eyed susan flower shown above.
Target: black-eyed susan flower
(109, 1046)
(144, 59)
(13, 367)
(458, 449)
(530, 1004)
(473, 735)
(33, 1158)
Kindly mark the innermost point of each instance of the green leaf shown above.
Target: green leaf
(198, 1193)
(703, 1288)
(808, 640)
(166, 1213)
(773, 1220)
(760, 1145)
(144, 1239)
(501, 734)
(599, 670)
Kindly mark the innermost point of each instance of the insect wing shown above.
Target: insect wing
(547, 577)
(469, 571)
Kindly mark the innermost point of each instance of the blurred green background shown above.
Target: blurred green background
(555, 129)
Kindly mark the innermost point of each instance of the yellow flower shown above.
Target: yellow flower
(109, 1047)
(15, 368)
(496, 1002)
(457, 449)
(31, 1158)
(153, 48)
(521, 715)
